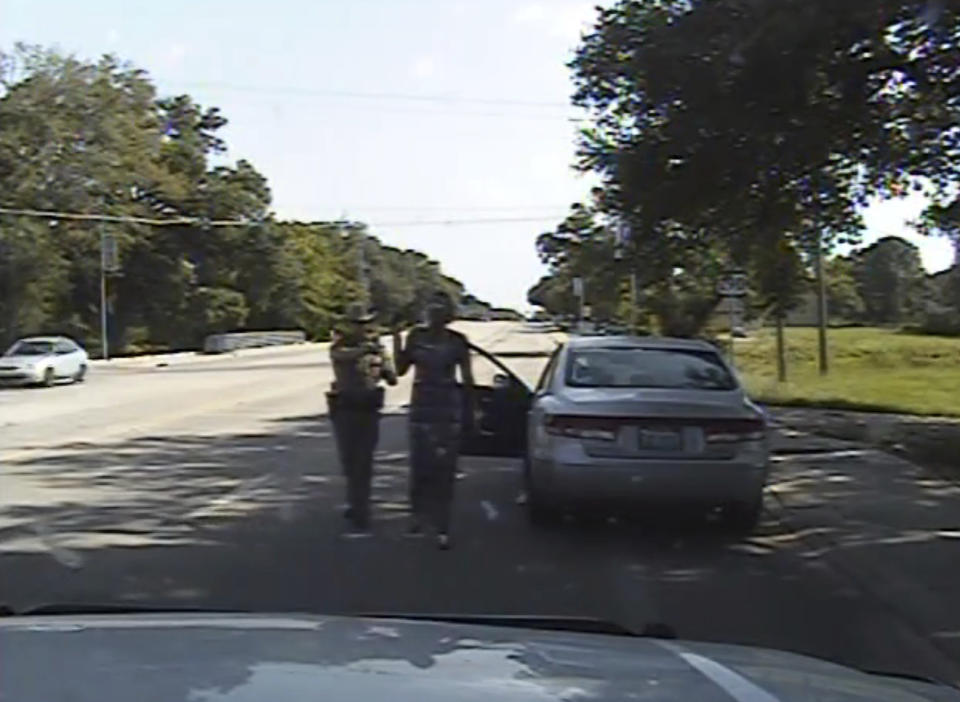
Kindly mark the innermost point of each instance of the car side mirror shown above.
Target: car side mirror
(502, 381)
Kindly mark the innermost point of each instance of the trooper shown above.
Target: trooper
(355, 399)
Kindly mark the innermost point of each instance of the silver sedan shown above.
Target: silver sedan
(652, 419)
(43, 360)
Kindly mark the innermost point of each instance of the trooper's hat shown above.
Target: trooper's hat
(358, 314)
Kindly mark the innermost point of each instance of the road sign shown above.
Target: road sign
(578, 287)
(734, 284)
(110, 256)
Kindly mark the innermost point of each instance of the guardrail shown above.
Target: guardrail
(224, 343)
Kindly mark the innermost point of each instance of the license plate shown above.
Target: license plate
(660, 440)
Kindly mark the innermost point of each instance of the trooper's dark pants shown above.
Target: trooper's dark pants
(357, 432)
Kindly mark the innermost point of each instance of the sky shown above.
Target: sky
(443, 124)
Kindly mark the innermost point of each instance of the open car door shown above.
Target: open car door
(503, 401)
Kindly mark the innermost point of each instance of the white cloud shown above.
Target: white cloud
(424, 67)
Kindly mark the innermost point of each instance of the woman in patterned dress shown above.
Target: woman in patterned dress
(437, 415)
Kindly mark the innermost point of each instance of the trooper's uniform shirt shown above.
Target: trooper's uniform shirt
(358, 367)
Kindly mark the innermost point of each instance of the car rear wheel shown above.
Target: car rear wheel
(80, 374)
(742, 516)
(48, 378)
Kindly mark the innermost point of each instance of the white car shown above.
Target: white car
(43, 360)
(657, 420)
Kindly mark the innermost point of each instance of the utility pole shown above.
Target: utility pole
(821, 308)
(103, 293)
(579, 290)
(733, 288)
(781, 350)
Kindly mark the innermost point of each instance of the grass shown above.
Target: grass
(870, 369)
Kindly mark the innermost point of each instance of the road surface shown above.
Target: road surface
(212, 482)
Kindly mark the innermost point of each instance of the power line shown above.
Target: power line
(359, 95)
(199, 221)
(529, 109)
(426, 112)
(123, 219)
(463, 222)
(456, 208)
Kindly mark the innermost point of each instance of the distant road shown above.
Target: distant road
(132, 397)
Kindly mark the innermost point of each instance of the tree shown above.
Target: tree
(843, 295)
(583, 247)
(943, 219)
(677, 272)
(554, 293)
(736, 124)
(891, 281)
(76, 137)
(81, 137)
(32, 278)
(780, 281)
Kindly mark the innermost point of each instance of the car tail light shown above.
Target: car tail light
(596, 428)
(734, 431)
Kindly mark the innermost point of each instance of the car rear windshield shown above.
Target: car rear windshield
(31, 348)
(638, 367)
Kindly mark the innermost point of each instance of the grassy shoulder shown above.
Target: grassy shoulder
(871, 370)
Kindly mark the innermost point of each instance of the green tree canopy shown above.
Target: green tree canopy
(729, 125)
(891, 281)
(843, 294)
(94, 137)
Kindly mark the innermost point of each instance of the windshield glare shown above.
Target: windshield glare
(31, 348)
(648, 368)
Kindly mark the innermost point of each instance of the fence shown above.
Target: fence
(223, 343)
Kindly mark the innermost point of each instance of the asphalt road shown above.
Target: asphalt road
(213, 482)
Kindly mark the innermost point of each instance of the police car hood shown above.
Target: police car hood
(176, 657)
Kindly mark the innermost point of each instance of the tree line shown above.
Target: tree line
(883, 284)
(731, 135)
(97, 138)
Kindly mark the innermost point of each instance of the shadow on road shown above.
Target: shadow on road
(280, 490)
(252, 521)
